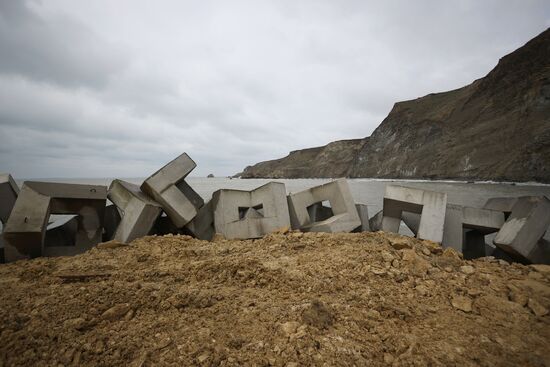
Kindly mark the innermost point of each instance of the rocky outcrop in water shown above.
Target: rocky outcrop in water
(497, 128)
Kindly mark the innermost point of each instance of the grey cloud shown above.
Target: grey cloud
(59, 51)
(119, 88)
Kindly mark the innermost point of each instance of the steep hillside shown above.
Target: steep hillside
(332, 160)
(497, 128)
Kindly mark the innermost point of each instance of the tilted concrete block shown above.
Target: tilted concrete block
(138, 212)
(431, 205)
(412, 221)
(25, 231)
(303, 206)
(8, 195)
(521, 233)
(167, 186)
(504, 205)
(363, 212)
(465, 228)
(375, 222)
(202, 226)
(250, 214)
(111, 220)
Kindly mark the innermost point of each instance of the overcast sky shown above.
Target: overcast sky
(109, 88)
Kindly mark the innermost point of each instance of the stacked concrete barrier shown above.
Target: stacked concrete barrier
(138, 212)
(25, 230)
(167, 187)
(166, 204)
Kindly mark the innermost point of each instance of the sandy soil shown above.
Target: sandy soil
(284, 300)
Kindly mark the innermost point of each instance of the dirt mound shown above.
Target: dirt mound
(283, 300)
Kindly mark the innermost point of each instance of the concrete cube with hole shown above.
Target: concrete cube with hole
(325, 208)
(430, 205)
(26, 229)
(240, 214)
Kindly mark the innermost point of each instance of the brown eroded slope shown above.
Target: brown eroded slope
(283, 300)
(497, 128)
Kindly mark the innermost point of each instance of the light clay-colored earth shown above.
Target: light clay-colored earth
(288, 299)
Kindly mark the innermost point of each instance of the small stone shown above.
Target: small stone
(451, 253)
(422, 289)
(448, 269)
(462, 303)
(503, 262)
(388, 358)
(79, 323)
(400, 243)
(538, 309)
(116, 312)
(426, 251)
(373, 314)
(519, 298)
(297, 234)
(467, 269)
(395, 263)
(387, 256)
(203, 357)
(378, 271)
(290, 327)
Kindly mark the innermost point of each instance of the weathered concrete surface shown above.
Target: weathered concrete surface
(250, 214)
(525, 227)
(375, 222)
(504, 205)
(25, 230)
(363, 212)
(430, 204)
(202, 226)
(8, 195)
(111, 220)
(167, 186)
(344, 219)
(465, 228)
(138, 211)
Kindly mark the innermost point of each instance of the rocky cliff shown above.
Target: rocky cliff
(497, 128)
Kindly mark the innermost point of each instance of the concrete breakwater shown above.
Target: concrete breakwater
(166, 203)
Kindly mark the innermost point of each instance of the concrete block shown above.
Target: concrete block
(8, 195)
(465, 228)
(375, 222)
(431, 205)
(250, 214)
(25, 231)
(412, 221)
(202, 226)
(363, 212)
(525, 227)
(504, 205)
(138, 212)
(167, 186)
(304, 205)
(111, 220)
